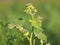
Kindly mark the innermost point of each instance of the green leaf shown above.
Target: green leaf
(36, 24)
(40, 35)
(38, 30)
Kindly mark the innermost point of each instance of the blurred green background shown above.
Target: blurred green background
(11, 10)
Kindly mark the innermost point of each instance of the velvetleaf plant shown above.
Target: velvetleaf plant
(36, 23)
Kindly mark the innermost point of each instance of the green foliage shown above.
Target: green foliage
(10, 14)
(40, 35)
(14, 31)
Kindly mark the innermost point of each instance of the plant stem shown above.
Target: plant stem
(32, 17)
(41, 43)
(31, 37)
(34, 42)
(31, 40)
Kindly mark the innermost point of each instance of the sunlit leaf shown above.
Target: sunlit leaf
(35, 24)
(40, 35)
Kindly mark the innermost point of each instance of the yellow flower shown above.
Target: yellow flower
(26, 33)
(30, 20)
(35, 10)
(30, 6)
(41, 41)
(21, 28)
(31, 9)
